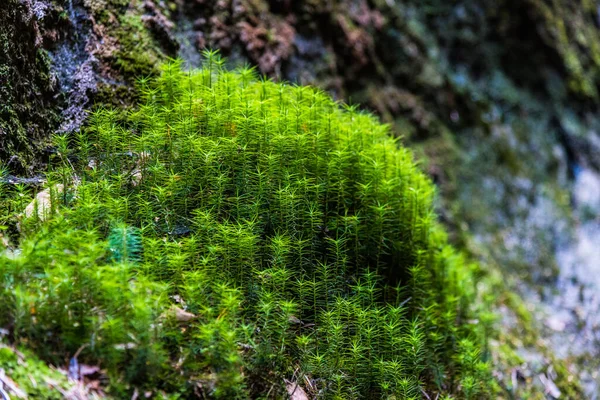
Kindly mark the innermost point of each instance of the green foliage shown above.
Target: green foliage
(125, 244)
(232, 233)
(32, 376)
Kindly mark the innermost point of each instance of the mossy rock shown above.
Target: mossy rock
(28, 109)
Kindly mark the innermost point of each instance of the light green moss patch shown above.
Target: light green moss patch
(31, 377)
(233, 233)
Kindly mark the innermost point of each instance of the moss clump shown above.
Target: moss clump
(234, 233)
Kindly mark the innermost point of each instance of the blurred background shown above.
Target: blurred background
(497, 98)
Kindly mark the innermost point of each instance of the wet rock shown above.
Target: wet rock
(269, 45)
(28, 109)
(161, 27)
(556, 324)
(41, 206)
(85, 85)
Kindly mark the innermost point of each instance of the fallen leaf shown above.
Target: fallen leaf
(11, 385)
(124, 346)
(85, 370)
(4, 241)
(182, 315)
(295, 391)
(550, 386)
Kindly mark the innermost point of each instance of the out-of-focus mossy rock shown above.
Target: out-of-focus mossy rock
(231, 234)
(503, 73)
(57, 57)
(344, 46)
(436, 77)
(27, 108)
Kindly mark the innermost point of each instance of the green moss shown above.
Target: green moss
(138, 55)
(32, 376)
(518, 355)
(277, 236)
(27, 108)
(571, 31)
(118, 97)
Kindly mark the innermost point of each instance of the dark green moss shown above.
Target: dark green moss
(28, 111)
(138, 54)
